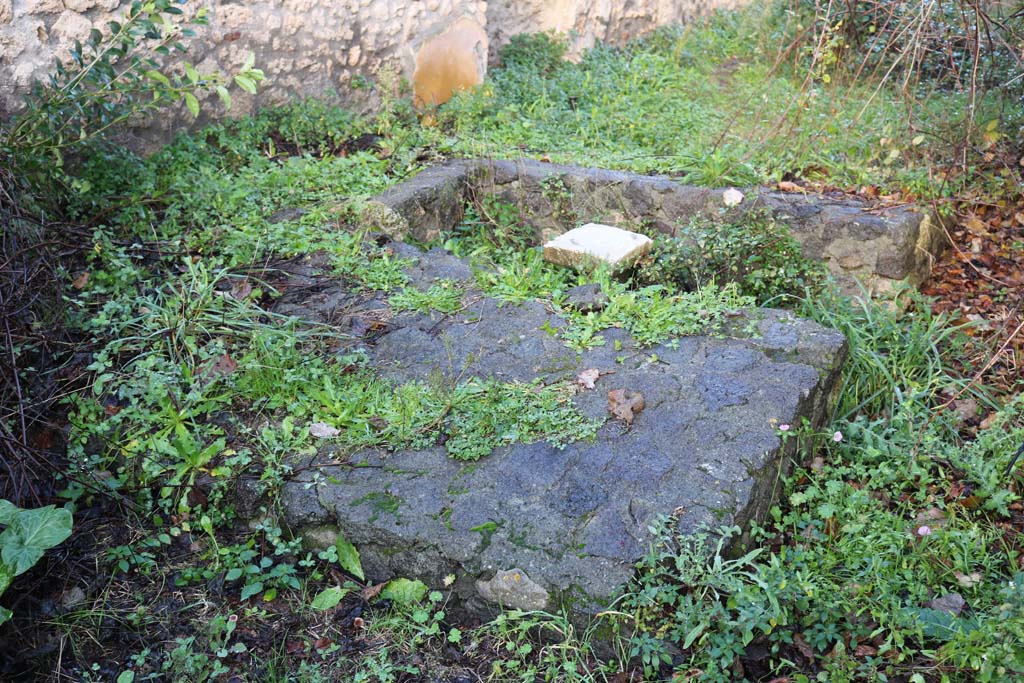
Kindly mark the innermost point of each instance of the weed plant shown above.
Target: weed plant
(887, 516)
(728, 101)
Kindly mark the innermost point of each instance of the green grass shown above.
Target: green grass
(194, 385)
(710, 101)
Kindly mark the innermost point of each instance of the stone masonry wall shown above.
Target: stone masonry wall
(332, 48)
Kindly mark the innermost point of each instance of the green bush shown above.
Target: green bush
(756, 252)
(540, 52)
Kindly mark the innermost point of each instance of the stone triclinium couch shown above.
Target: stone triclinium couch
(877, 246)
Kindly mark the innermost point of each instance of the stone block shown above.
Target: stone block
(534, 526)
(865, 246)
(514, 589)
(595, 244)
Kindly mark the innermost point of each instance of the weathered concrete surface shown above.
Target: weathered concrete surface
(875, 246)
(572, 522)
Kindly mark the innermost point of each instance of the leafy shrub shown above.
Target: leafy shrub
(540, 52)
(116, 76)
(953, 42)
(756, 252)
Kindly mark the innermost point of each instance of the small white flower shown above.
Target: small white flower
(837, 437)
(783, 428)
(924, 530)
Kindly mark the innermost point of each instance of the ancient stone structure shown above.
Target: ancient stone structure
(862, 244)
(333, 49)
(533, 526)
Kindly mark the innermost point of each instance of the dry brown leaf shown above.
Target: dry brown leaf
(370, 592)
(221, 367)
(241, 289)
(805, 649)
(81, 281)
(977, 227)
(865, 651)
(624, 405)
(322, 430)
(988, 421)
(968, 580)
(787, 186)
(588, 378)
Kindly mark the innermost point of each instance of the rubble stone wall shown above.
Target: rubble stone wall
(336, 49)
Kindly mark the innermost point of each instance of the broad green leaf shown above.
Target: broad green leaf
(940, 625)
(192, 103)
(348, 557)
(328, 598)
(246, 83)
(31, 533)
(126, 677)
(250, 60)
(191, 73)
(7, 511)
(224, 95)
(155, 75)
(251, 589)
(5, 614)
(693, 635)
(404, 591)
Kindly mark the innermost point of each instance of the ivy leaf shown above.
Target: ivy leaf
(348, 557)
(404, 591)
(328, 598)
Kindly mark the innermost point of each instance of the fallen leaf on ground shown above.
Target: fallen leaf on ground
(241, 289)
(787, 186)
(968, 580)
(81, 281)
(322, 430)
(977, 227)
(965, 408)
(933, 517)
(624, 405)
(222, 367)
(588, 378)
(988, 421)
(950, 603)
(804, 647)
(370, 592)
